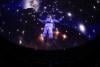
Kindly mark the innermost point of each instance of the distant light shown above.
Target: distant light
(92, 16)
(45, 7)
(79, 34)
(89, 36)
(41, 28)
(49, 5)
(57, 9)
(94, 30)
(29, 13)
(17, 10)
(9, 32)
(8, 8)
(94, 7)
(23, 32)
(55, 2)
(26, 21)
(66, 31)
(98, 1)
(82, 28)
(64, 36)
(41, 37)
(2, 30)
(60, 12)
(57, 32)
(69, 14)
(81, 10)
(17, 30)
(20, 41)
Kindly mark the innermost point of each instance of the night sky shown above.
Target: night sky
(21, 26)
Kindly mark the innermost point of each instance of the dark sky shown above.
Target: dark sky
(17, 23)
